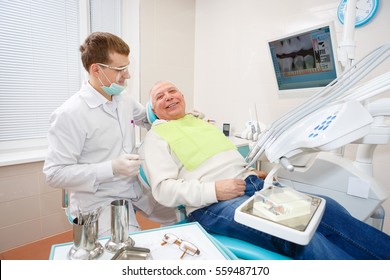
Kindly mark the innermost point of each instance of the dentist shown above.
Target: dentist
(92, 151)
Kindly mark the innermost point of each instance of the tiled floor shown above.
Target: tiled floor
(40, 250)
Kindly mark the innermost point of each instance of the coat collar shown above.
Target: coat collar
(94, 99)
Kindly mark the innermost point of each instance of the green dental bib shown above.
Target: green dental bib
(190, 138)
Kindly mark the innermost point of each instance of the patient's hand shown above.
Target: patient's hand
(229, 188)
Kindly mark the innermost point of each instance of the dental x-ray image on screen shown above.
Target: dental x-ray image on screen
(304, 60)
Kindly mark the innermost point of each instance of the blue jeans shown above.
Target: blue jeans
(338, 236)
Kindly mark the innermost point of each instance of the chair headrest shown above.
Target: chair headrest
(149, 113)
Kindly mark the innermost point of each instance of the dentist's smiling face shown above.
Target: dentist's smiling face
(167, 101)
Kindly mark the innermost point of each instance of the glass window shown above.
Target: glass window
(39, 64)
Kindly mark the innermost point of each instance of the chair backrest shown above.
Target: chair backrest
(180, 210)
(142, 177)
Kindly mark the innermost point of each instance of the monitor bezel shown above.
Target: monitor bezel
(305, 92)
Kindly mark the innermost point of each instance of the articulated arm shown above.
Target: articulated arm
(339, 104)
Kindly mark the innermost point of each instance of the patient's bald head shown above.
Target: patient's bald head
(167, 101)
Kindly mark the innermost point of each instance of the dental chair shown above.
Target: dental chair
(241, 249)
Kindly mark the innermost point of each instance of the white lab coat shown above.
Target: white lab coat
(85, 134)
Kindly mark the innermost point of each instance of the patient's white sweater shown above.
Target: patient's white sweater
(173, 185)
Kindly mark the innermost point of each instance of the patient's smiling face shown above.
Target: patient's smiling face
(167, 101)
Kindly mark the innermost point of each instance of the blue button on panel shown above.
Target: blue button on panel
(322, 126)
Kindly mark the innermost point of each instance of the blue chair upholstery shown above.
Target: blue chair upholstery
(247, 251)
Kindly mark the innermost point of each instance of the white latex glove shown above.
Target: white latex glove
(127, 165)
(197, 114)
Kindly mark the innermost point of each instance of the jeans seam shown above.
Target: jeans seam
(351, 241)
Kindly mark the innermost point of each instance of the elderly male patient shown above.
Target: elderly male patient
(190, 162)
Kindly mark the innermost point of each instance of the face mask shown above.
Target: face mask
(114, 88)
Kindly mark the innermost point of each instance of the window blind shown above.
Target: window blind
(39, 64)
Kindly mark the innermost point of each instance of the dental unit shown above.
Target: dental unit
(303, 143)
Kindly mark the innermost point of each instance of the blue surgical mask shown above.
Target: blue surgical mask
(114, 89)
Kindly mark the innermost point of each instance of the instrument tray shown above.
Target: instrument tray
(132, 253)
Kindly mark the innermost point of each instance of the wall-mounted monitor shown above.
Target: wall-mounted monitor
(304, 61)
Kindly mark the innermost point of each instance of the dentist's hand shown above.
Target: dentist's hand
(229, 188)
(127, 165)
(197, 114)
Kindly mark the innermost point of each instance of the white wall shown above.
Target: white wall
(233, 69)
(232, 65)
(29, 209)
(167, 45)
